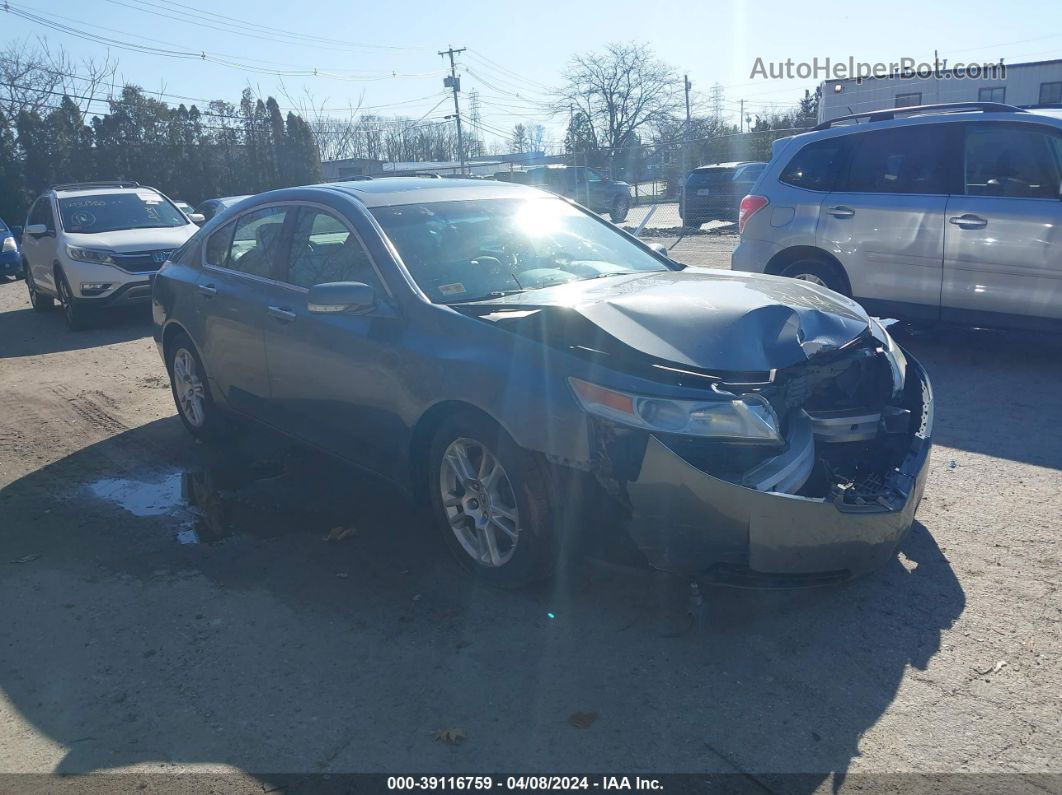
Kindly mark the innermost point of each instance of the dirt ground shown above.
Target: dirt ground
(168, 608)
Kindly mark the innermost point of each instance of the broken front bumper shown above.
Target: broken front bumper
(687, 521)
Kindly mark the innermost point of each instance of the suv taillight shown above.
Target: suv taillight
(750, 205)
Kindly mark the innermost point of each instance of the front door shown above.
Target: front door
(1003, 238)
(886, 220)
(234, 291)
(39, 249)
(333, 376)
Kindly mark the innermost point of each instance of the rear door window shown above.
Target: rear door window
(899, 160)
(1012, 160)
(816, 166)
(217, 247)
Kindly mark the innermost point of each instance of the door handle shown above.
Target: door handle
(968, 221)
(207, 290)
(840, 211)
(280, 313)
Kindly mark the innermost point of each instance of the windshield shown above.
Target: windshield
(470, 250)
(106, 212)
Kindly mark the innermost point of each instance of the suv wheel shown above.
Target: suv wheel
(824, 274)
(490, 500)
(40, 302)
(619, 210)
(77, 317)
(191, 391)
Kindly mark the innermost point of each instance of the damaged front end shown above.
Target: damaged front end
(828, 500)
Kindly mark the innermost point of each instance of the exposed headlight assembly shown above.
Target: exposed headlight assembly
(897, 361)
(9, 244)
(746, 418)
(95, 255)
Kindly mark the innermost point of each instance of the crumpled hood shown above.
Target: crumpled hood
(708, 319)
(126, 240)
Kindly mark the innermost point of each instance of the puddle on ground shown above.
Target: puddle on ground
(233, 495)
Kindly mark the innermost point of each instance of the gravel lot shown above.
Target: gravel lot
(265, 648)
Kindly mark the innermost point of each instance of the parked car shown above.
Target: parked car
(211, 207)
(185, 208)
(498, 350)
(96, 245)
(10, 258)
(588, 186)
(941, 212)
(714, 192)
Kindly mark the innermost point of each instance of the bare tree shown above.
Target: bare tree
(34, 75)
(619, 92)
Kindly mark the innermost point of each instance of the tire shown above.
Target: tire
(40, 302)
(620, 207)
(691, 223)
(820, 272)
(516, 498)
(78, 318)
(186, 372)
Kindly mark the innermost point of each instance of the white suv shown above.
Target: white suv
(98, 244)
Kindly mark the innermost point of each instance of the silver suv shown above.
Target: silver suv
(938, 212)
(99, 244)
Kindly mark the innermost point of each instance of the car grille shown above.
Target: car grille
(142, 261)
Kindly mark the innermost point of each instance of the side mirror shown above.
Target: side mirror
(660, 249)
(197, 218)
(36, 230)
(340, 297)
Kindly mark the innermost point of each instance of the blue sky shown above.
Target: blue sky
(518, 50)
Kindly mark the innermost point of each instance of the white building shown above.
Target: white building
(1036, 83)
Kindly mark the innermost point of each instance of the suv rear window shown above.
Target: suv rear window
(710, 178)
(107, 212)
(815, 167)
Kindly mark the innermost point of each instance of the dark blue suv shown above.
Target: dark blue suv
(534, 371)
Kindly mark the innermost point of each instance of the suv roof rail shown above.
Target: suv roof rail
(945, 107)
(95, 184)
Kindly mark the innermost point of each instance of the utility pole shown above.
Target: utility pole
(687, 85)
(453, 82)
(741, 118)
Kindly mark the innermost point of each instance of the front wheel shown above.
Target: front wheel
(491, 502)
(77, 317)
(619, 210)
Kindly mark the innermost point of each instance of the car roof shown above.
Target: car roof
(393, 191)
(734, 164)
(67, 194)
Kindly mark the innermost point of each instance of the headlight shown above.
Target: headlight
(9, 244)
(897, 361)
(747, 418)
(96, 255)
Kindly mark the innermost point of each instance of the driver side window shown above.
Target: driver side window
(323, 250)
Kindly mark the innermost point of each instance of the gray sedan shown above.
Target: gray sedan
(538, 375)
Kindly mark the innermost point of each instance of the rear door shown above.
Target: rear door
(236, 288)
(1003, 237)
(334, 376)
(886, 222)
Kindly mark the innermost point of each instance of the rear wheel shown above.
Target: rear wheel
(191, 391)
(39, 301)
(491, 503)
(77, 317)
(620, 207)
(825, 274)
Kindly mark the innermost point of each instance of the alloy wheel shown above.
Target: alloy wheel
(189, 388)
(64, 298)
(811, 277)
(480, 503)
